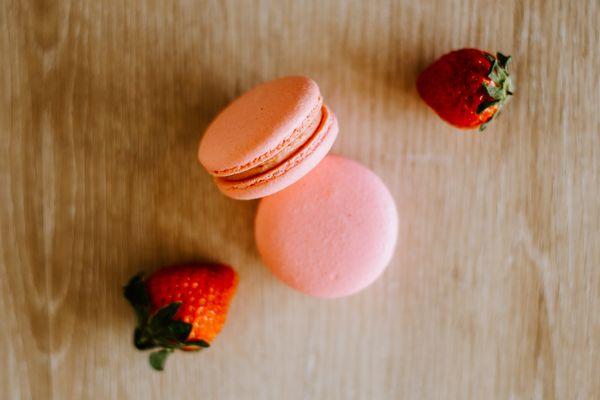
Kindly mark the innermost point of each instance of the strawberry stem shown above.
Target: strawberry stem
(158, 358)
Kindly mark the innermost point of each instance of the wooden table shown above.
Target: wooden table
(494, 290)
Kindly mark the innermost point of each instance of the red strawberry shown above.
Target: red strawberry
(467, 87)
(180, 307)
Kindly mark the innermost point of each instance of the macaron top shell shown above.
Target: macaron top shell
(289, 171)
(258, 124)
(330, 234)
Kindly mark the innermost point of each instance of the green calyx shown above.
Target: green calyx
(159, 329)
(499, 87)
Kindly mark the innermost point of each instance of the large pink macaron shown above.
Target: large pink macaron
(268, 138)
(332, 233)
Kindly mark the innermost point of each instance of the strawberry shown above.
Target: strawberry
(467, 87)
(180, 307)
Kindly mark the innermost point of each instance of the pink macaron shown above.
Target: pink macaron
(268, 138)
(332, 233)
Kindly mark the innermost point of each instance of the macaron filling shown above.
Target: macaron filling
(299, 138)
(326, 128)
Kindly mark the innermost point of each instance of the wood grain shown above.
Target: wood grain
(494, 291)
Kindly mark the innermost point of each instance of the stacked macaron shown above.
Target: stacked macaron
(328, 228)
(268, 138)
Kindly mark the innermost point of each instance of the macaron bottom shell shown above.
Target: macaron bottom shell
(291, 169)
(332, 233)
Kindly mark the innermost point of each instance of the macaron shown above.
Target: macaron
(268, 138)
(332, 233)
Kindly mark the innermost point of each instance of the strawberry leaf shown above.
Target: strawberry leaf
(493, 91)
(142, 341)
(165, 314)
(498, 74)
(180, 330)
(503, 60)
(135, 293)
(199, 343)
(168, 331)
(494, 72)
(481, 108)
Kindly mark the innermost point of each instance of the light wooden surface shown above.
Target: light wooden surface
(493, 293)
